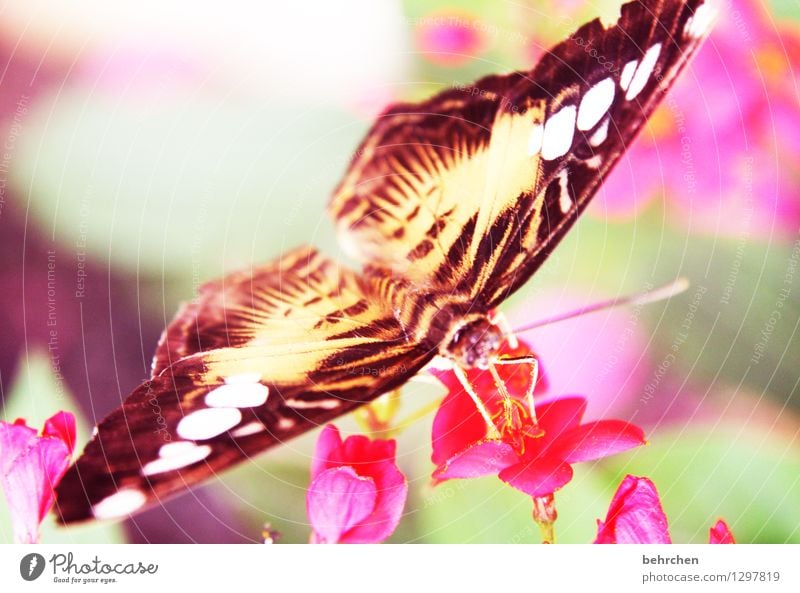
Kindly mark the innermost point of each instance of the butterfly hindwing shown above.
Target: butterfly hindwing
(260, 357)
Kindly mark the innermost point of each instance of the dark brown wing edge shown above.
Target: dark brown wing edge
(569, 63)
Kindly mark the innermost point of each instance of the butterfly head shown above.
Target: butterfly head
(474, 343)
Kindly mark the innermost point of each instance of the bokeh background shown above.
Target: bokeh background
(149, 146)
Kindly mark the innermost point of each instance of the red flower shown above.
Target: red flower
(636, 517)
(357, 492)
(31, 466)
(532, 455)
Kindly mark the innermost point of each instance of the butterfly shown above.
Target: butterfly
(450, 204)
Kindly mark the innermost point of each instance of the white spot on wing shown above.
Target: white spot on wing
(595, 103)
(564, 200)
(644, 71)
(238, 395)
(323, 404)
(594, 162)
(175, 456)
(248, 429)
(286, 423)
(243, 378)
(558, 132)
(535, 140)
(627, 74)
(600, 134)
(122, 502)
(208, 423)
(700, 22)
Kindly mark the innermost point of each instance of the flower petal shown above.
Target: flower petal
(560, 414)
(61, 426)
(28, 485)
(336, 501)
(484, 458)
(456, 426)
(392, 491)
(327, 452)
(635, 515)
(358, 450)
(14, 440)
(720, 534)
(596, 440)
(537, 477)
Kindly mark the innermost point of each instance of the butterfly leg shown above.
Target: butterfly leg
(534, 364)
(501, 321)
(464, 380)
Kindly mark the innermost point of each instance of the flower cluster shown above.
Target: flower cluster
(491, 422)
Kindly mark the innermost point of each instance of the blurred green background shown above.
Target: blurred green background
(151, 147)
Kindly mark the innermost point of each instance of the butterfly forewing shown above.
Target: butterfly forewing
(471, 190)
(451, 204)
(599, 87)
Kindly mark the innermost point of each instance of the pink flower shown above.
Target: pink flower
(357, 492)
(725, 142)
(31, 466)
(450, 39)
(532, 456)
(720, 534)
(635, 516)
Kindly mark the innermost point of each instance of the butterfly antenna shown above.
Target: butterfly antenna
(640, 298)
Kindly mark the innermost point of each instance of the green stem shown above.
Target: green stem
(545, 515)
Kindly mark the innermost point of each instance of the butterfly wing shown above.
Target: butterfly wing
(258, 358)
(472, 190)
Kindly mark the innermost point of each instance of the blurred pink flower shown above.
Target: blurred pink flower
(720, 534)
(635, 516)
(31, 466)
(532, 456)
(151, 77)
(449, 38)
(357, 492)
(603, 354)
(724, 144)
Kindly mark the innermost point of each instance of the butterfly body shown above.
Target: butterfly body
(450, 205)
